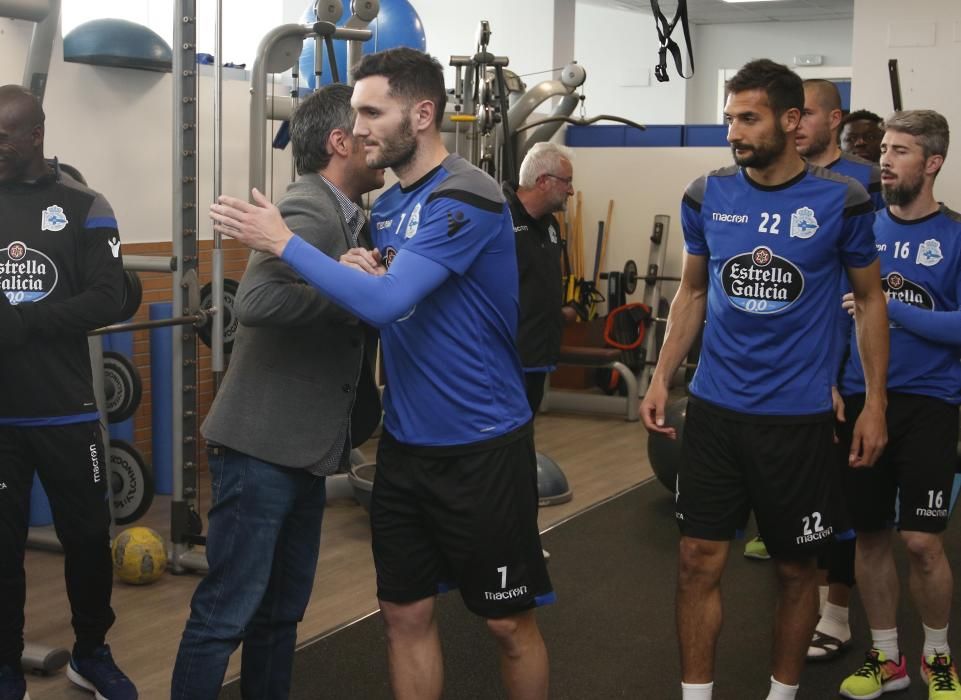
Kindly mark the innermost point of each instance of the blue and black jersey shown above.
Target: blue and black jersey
(920, 269)
(60, 267)
(453, 371)
(775, 257)
(864, 171)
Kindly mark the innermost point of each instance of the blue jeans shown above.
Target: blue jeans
(263, 538)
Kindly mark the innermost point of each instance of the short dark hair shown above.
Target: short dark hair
(828, 95)
(861, 115)
(782, 86)
(411, 74)
(316, 116)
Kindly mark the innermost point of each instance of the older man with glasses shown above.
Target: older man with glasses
(546, 178)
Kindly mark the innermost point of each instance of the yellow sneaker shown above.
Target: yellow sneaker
(877, 675)
(756, 549)
(941, 677)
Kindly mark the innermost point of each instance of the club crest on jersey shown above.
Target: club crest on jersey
(552, 232)
(413, 222)
(803, 223)
(760, 282)
(53, 219)
(897, 286)
(26, 275)
(929, 253)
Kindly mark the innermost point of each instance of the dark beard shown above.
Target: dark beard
(901, 195)
(762, 155)
(398, 152)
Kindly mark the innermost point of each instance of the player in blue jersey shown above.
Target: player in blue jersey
(455, 497)
(765, 243)
(919, 243)
(817, 142)
(817, 138)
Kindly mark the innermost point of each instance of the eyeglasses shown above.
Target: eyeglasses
(566, 180)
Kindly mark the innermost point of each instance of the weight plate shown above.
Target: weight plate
(132, 294)
(131, 483)
(122, 386)
(630, 277)
(230, 318)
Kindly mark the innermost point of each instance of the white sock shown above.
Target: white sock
(822, 598)
(834, 622)
(697, 691)
(780, 691)
(887, 641)
(935, 641)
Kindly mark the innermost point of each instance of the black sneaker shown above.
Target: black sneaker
(99, 674)
(12, 684)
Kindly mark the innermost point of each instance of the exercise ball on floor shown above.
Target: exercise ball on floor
(139, 555)
(397, 24)
(665, 453)
(552, 486)
(118, 43)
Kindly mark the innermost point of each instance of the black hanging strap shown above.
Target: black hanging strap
(664, 30)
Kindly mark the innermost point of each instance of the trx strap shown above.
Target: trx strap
(664, 30)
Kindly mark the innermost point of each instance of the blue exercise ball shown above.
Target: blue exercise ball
(118, 43)
(397, 24)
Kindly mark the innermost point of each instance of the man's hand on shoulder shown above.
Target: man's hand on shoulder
(368, 261)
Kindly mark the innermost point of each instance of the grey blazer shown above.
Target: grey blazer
(297, 356)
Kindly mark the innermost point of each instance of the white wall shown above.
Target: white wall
(114, 124)
(926, 41)
(718, 46)
(642, 182)
(618, 49)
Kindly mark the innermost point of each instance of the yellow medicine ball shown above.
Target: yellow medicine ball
(139, 555)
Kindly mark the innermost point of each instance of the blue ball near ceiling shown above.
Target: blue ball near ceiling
(397, 24)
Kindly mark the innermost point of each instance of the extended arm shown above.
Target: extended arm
(871, 329)
(938, 326)
(377, 299)
(684, 322)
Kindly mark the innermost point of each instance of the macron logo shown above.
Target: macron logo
(730, 218)
(3, 485)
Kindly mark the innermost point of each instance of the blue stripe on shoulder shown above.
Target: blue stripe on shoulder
(101, 222)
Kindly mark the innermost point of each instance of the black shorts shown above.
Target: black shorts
(916, 469)
(781, 468)
(462, 517)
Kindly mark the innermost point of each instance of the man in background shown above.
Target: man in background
(546, 182)
(62, 276)
(861, 135)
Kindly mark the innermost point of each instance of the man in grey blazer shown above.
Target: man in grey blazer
(281, 422)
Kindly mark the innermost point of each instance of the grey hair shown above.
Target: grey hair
(543, 158)
(316, 116)
(930, 128)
